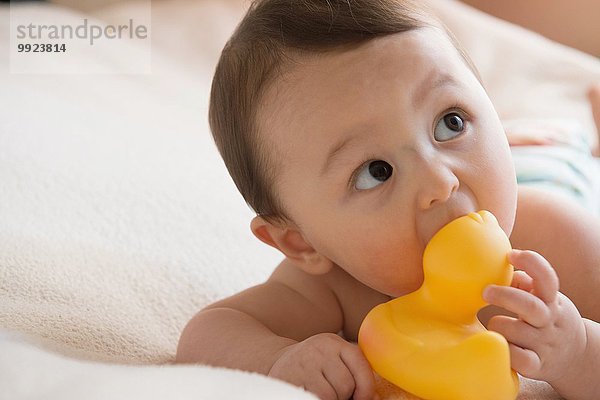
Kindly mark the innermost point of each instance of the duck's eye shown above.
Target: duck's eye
(448, 127)
(372, 174)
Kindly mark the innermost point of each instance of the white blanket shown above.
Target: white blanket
(28, 373)
(118, 218)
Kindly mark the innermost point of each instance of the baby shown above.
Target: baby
(356, 130)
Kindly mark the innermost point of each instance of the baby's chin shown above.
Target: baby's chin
(506, 219)
(401, 289)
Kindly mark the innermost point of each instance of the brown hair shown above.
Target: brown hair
(261, 48)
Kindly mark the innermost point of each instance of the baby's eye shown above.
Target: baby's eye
(372, 174)
(450, 126)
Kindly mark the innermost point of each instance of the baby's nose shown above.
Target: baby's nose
(437, 184)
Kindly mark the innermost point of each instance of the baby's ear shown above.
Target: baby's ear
(289, 240)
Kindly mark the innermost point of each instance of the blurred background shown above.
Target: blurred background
(575, 23)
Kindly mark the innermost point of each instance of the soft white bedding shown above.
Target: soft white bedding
(28, 373)
(118, 218)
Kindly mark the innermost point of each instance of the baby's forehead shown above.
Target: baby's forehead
(313, 79)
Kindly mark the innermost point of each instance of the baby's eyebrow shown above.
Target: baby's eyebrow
(434, 80)
(337, 149)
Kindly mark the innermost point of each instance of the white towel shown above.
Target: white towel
(28, 373)
(118, 218)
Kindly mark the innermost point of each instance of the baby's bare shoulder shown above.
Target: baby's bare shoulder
(567, 236)
(548, 221)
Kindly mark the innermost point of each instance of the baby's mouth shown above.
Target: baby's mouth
(444, 217)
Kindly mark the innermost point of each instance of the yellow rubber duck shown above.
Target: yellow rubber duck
(430, 342)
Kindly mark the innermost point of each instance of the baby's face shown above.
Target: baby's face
(380, 146)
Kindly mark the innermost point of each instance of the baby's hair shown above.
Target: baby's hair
(260, 50)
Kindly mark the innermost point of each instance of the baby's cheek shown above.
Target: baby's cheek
(502, 198)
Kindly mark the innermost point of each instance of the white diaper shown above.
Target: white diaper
(566, 166)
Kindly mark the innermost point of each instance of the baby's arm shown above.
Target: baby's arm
(548, 340)
(284, 328)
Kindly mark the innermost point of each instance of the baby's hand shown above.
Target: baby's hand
(531, 137)
(548, 338)
(328, 366)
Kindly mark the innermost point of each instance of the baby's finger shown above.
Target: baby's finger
(525, 361)
(528, 307)
(545, 280)
(522, 281)
(340, 378)
(361, 370)
(515, 331)
(320, 386)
